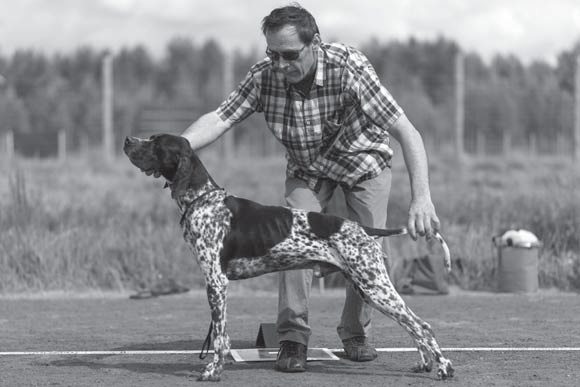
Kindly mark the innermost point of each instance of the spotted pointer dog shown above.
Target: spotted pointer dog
(235, 238)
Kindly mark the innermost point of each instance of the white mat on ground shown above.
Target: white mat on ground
(270, 354)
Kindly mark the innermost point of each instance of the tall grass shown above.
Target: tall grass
(87, 224)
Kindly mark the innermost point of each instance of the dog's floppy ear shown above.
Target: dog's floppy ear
(183, 177)
(190, 173)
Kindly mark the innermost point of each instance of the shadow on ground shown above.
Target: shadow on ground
(186, 365)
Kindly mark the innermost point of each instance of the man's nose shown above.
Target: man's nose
(283, 63)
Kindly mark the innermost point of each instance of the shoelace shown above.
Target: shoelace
(355, 342)
(290, 348)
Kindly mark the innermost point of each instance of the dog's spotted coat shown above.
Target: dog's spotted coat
(235, 238)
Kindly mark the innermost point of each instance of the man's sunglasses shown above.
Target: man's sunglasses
(286, 55)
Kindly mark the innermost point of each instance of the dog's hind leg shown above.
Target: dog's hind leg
(364, 266)
(383, 296)
(422, 334)
(390, 303)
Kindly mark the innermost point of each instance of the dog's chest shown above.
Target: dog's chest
(207, 224)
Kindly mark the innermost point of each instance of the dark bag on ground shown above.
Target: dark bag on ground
(422, 275)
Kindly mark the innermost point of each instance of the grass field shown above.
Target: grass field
(87, 224)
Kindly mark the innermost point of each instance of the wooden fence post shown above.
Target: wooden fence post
(228, 85)
(62, 145)
(10, 145)
(107, 74)
(459, 105)
(576, 141)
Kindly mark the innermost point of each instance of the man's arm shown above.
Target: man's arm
(205, 130)
(422, 217)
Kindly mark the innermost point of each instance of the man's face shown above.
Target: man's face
(285, 42)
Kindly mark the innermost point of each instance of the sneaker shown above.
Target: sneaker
(357, 349)
(291, 357)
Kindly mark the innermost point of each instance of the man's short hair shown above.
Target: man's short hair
(293, 15)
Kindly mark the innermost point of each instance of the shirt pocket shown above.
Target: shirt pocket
(338, 129)
(330, 132)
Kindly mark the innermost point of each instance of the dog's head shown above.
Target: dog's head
(169, 156)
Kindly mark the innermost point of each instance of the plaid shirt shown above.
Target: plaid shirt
(338, 131)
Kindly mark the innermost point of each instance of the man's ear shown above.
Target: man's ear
(316, 40)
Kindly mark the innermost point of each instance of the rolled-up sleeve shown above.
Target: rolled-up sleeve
(242, 102)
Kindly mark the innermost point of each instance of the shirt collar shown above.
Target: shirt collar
(319, 78)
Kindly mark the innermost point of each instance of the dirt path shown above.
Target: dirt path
(461, 320)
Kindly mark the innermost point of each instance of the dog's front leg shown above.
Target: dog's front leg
(216, 294)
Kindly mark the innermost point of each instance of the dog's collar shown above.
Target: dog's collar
(203, 195)
(195, 200)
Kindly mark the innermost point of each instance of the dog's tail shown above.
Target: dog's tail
(379, 232)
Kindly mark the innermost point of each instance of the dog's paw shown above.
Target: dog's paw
(210, 373)
(423, 366)
(203, 377)
(446, 370)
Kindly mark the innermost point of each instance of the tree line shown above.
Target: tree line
(41, 93)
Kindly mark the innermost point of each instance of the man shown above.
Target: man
(326, 105)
